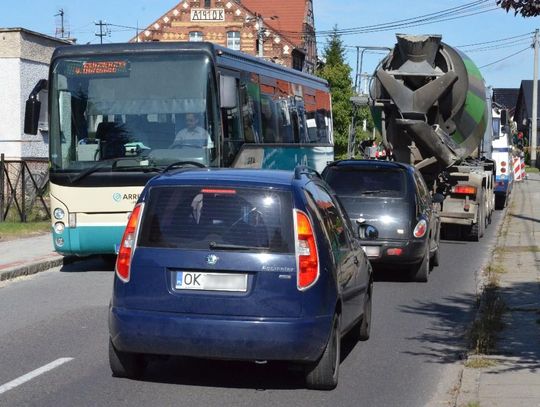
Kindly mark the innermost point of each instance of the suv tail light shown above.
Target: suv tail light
(420, 229)
(307, 258)
(123, 261)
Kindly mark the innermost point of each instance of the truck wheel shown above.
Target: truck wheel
(126, 364)
(323, 374)
(420, 272)
(476, 231)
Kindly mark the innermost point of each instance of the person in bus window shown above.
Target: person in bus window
(193, 134)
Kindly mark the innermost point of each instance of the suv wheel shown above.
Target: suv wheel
(323, 374)
(125, 364)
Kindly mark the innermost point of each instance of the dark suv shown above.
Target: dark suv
(239, 264)
(397, 219)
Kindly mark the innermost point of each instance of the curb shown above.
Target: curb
(35, 266)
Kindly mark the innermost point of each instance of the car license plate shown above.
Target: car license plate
(210, 281)
(372, 251)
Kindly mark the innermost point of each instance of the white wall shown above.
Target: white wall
(10, 111)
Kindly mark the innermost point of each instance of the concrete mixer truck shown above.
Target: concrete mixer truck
(429, 102)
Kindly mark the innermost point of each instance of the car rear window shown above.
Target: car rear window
(218, 218)
(356, 181)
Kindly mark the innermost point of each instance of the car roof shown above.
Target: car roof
(371, 164)
(244, 176)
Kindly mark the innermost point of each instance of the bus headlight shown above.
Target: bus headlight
(59, 241)
(59, 213)
(59, 227)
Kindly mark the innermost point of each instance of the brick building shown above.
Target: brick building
(287, 28)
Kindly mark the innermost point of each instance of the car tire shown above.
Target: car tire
(420, 272)
(126, 364)
(323, 374)
(435, 258)
(364, 329)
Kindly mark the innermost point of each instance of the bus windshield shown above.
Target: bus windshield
(136, 111)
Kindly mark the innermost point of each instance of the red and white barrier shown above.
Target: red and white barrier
(519, 169)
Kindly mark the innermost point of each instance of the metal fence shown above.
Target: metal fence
(23, 188)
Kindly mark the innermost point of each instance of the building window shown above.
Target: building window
(233, 40)
(207, 4)
(195, 36)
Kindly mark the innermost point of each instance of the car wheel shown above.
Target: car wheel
(126, 364)
(365, 326)
(420, 272)
(323, 374)
(435, 258)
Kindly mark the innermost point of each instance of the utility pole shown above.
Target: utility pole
(534, 123)
(101, 33)
(61, 14)
(260, 33)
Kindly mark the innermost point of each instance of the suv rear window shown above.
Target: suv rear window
(189, 217)
(355, 181)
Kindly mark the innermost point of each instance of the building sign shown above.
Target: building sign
(207, 14)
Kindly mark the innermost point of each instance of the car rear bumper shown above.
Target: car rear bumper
(217, 337)
(412, 251)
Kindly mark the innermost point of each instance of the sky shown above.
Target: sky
(497, 33)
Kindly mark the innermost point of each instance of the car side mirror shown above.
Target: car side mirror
(227, 92)
(437, 198)
(33, 108)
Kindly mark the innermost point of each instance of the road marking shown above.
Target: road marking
(34, 373)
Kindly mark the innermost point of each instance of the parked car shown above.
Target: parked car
(396, 217)
(239, 264)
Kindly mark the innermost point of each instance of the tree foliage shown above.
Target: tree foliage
(527, 8)
(338, 74)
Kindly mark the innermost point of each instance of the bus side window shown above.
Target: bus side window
(232, 131)
(250, 102)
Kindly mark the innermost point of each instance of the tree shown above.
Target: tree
(338, 74)
(527, 8)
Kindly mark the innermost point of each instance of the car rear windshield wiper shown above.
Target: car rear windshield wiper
(214, 245)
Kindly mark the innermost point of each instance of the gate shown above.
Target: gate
(23, 186)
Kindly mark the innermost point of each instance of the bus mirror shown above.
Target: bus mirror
(227, 92)
(33, 108)
(504, 117)
(31, 116)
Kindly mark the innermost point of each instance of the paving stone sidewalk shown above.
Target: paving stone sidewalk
(514, 378)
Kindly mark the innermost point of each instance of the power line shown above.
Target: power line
(507, 57)
(496, 47)
(494, 41)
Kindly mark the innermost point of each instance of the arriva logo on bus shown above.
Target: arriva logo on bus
(118, 197)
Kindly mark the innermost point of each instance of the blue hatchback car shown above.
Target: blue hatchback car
(239, 264)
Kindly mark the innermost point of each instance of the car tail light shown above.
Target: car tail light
(420, 229)
(123, 261)
(464, 190)
(307, 258)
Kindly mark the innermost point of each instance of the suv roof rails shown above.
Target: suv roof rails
(305, 170)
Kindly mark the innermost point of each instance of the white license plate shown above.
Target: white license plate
(210, 281)
(372, 251)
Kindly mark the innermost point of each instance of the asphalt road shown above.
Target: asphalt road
(53, 346)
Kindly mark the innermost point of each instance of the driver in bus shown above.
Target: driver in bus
(193, 134)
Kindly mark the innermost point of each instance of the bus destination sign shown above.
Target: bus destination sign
(98, 68)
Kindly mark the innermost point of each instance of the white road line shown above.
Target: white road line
(34, 373)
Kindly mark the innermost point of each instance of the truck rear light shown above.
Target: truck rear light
(503, 163)
(394, 251)
(307, 257)
(420, 229)
(123, 261)
(463, 190)
(503, 170)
